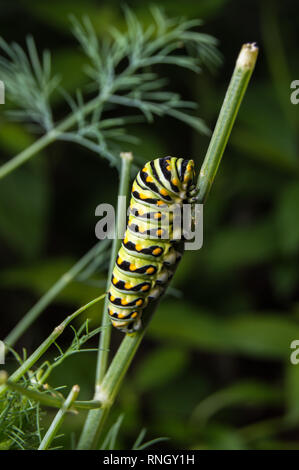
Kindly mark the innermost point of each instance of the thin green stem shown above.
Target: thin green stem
(36, 355)
(46, 399)
(59, 285)
(50, 137)
(103, 351)
(59, 418)
(233, 98)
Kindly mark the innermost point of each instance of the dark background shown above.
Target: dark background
(214, 370)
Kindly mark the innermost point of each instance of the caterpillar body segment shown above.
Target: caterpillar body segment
(149, 253)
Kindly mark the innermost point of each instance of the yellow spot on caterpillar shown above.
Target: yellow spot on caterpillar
(114, 280)
(124, 301)
(132, 267)
(157, 215)
(149, 179)
(134, 314)
(159, 232)
(167, 161)
(138, 247)
(168, 168)
(144, 169)
(126, 240)
(163, 191)
(112, 298)
(150, 270)
(144, 288)
(128, 285)
(119, 260)
(140, 212)
(157, 251)
(142, 196)
(139, 302)
(174, 181)
(121, 315)
(160, 203)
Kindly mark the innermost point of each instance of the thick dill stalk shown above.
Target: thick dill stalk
(108, 388)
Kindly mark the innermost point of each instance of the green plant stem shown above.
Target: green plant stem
(48, 400)
(59, 285)
(233, 98)
(58, 420)
(107, 389)
(96, 418)
(35, 356)
(124, 187)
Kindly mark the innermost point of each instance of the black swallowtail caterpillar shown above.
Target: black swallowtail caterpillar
(149, 254)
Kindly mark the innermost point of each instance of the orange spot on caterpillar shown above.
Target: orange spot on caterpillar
(150, 270)
(163, 191)
(157, 251)
(139, 302)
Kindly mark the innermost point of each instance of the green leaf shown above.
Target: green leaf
(235, 247)
(39, 277)
(257, 334)
(247, 393)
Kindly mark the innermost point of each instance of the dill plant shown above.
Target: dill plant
(120, 75)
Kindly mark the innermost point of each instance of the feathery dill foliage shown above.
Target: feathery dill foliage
(20, 416)
(120, 73)
(19, 422)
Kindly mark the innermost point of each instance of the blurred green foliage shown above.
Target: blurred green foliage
(214, 370)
